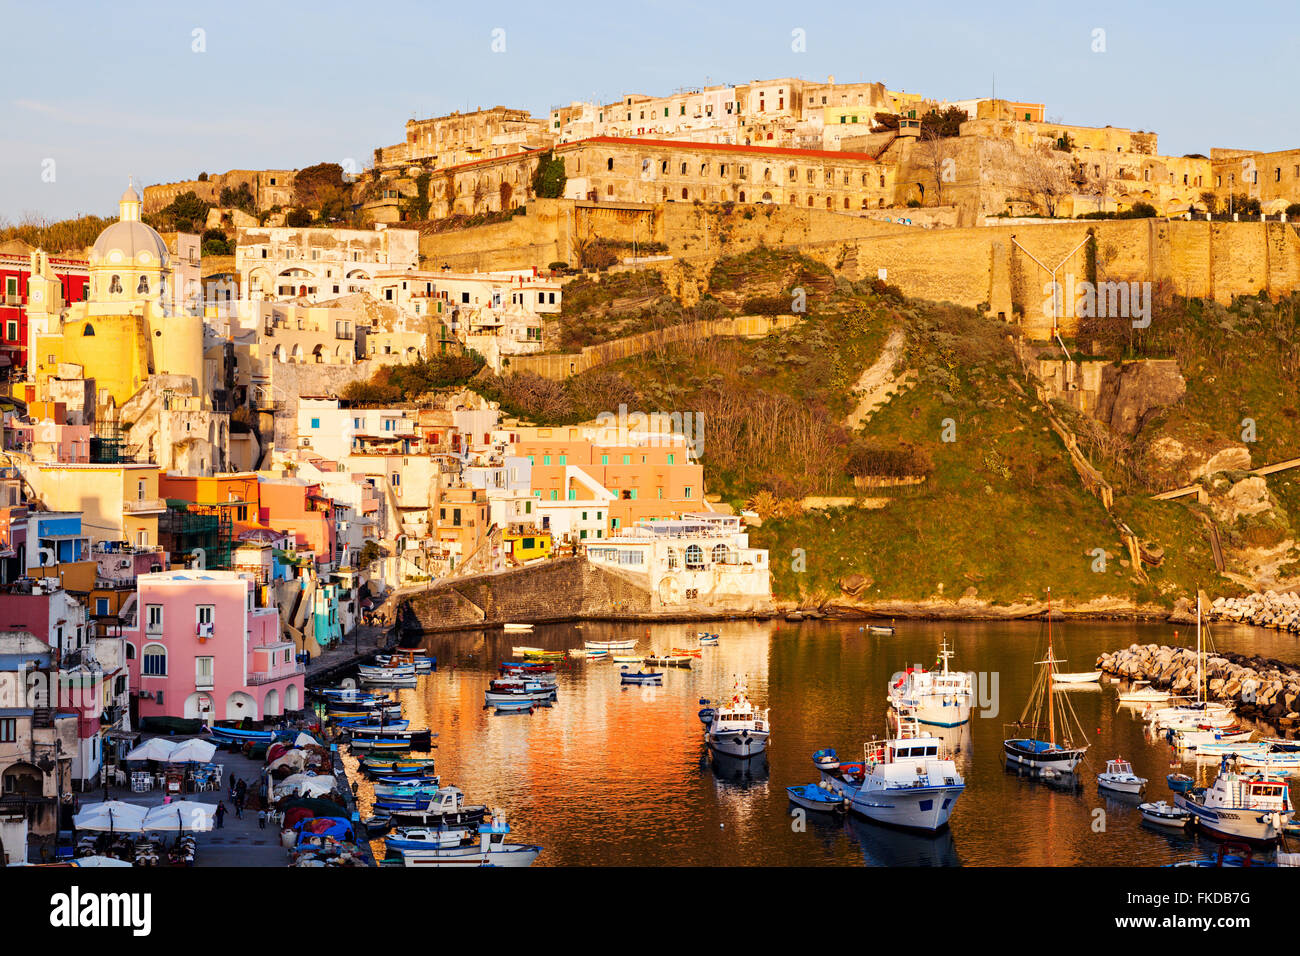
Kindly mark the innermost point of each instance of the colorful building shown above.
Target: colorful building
(73, 276)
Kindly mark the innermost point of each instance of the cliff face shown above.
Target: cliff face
(1130, 393)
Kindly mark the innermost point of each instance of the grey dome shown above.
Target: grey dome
(130, 238)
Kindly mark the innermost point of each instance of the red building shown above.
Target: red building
(74, 275)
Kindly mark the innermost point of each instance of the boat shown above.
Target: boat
(351, 726)
(640, 677)
(351, 715)
(515, 706)
(427, 788)
(826, 759)
(445, 807)
(627, 658)
(1201, 738)
(1120, 778)
(423, 663)
(909, 780)
(941, 698)
(239, 736)
(668, 660)
(687, 652)
(524, 651)
(1240, 806)
(1165, 814)
(376, 670)
(1047, 754)
(1288, 762)
(609, 645)
(486, 847)
(706, 713)
(517, 627)
(739, 729)
(389, 738)
(879, 629)
(817, 797)
(707, 639)
(1142, 693)
(399, 767)
(351, 695)
(1281, 744)
(532, 668)
(541, 655)
(377, 825)
(1223, 748)
(1179, 782)
(1201, 713)
(1080, 677)
(508, 689)
(386, 784)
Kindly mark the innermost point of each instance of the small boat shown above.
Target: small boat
(818, 797)
(667, 661)
(739, 729)
(446, 807)
(1179, 782)
(352, 726)
(610, 645)
(400, 767)
(826, 759)
(541, 655)
(376, 670)
(486, 848)
(408, 788)
(390, 738)
(706, 714)
(1228, 747)
(515, 706)
(524, 651)
(1080, 677)
(1281, 744)
(517, 627)
(532, 668)
(640, 677)
(1289, 762)
(687, 652)
(377, 825)
(882, 629)
(350, 715)
(509, 689)
(1203, 737)
(1143, 693)
(351, 695)
(1240, 806)
(422, 663)
(236, 735)
(1164, 814)
(1120, 778)
(627, 658)
(707, 639)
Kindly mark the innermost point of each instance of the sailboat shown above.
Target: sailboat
(1047, 754)
(1201, 713)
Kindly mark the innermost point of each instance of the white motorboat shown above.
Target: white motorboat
(941, 698)
(1202, 713)
(517, 627)
(1227, 748)
(1243, 806)
(1143, 693)
(882, 629)
(610, 646)
(907, 781)
(1080, 677)
(738, 728)
(1275, 762)
(1120, 778)
(1165, 814)
(1040, 716)
(1219, 741)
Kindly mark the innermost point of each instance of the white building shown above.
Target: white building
(317, 264)
(332, 431)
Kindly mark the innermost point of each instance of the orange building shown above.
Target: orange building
(463, 520)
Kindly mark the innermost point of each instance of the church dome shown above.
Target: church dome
(130, 238)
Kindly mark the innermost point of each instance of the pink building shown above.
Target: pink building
(207, 645)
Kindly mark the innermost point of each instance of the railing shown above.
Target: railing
(267, 677)
(135, 505)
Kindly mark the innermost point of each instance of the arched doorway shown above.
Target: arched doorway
(199, 707)
(271, 703)
(25, 779)
(240, 705)
(292, 698)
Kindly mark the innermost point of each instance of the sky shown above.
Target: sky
(93, 93)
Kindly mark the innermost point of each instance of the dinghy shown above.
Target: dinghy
(1081, 677)
(610, 646)
(402, 767)
(523, 651)
(1179, 782)
(1120, 778)
(640, 677)
(826, 759)
(1164, 814)
(239, 737)
(880, 629)
(517, 627)
(818, 797)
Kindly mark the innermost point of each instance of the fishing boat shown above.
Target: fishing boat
(707, 639)
(818, 797)
(541, 655)
(377, 825)
(239, 736)
(1224, 748)
(1179, 782)
(1047, 754)
(486, 847)
(667, 660)
(351, 695)
(706, 713)
(524, 651)
(379, 671)
(1120, 778)
(427, 781)
(1207, 737)
(882, 629)
(640, 677)
(1288, 762)
(908, 780)
(532, 668)
(688, 652)
(826, 759)
(627, 658)
(517, 627)
(446, 807)
(940, 697)
(739, 729)
(400, 767)
(390, 738)
(351, 726)
(1165, 814)
(1242, 806)
(610, 646)
(1201, 713)
(1281, 744)
(353, 715)
(423, 663)
(408, 789)
(510, 689)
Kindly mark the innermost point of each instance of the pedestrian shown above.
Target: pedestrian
(221, 814)
(239, 809)
(261, 819)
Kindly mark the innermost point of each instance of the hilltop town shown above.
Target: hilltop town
(790, 347)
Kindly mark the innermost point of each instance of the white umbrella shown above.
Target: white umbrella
(193, 751)
(180, 815)
(307, 784)
(156, 748)
(114, 816)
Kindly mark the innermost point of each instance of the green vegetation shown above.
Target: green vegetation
(186, 213)
(65, 235)
(323, 189)
(400, 383)
(239, 197)
(549, 177)
(215, 243)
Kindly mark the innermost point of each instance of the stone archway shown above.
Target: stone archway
(292, 698)
(240, 705)
(271, 703)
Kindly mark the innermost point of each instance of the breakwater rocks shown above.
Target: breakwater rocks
(1270, 609)
(1256, 685)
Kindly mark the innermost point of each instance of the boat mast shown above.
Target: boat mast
(1051, 694)
(1200, 670)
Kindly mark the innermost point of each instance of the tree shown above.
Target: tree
(186, 213)
(934, 154)
(240, 197)
(297, 218)
(1048, 177)
(945, 124)
(549, 177)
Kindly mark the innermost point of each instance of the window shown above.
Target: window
(604, 459)
(8, 730)
(671, 459)
(101, 607)
(203, 671)
(627, 459)
(154, 663)
(203, 613)
(686, 492)
(154, 618)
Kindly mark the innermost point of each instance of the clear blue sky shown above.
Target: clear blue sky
(108, 90)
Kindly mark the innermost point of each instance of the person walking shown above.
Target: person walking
(221, 814)
(239, 809)
(261, 819)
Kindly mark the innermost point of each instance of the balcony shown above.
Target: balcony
(138, 506)
(280, 673)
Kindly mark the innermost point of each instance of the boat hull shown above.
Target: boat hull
(912, 808)
(514, 855)
(1060, 759)
(737, 743)
(1253, 826)
(815, 798)
(1122, 786)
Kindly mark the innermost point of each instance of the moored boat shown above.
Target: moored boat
(484, 847)
(609, 645)
(640, 677)
(816, 796)
(738, 729)
(1078, 677)
(1240, 806)
(239, 736)
(939, 697)
(881, 629)
(519, 628)
(1179, 782)
(1164, 814)
(826, 759)
(1120, 778)
(399, 767)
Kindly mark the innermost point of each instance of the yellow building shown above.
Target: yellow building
(125, 331)
(118, 502)
(523, 545)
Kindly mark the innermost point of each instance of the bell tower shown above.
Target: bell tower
(44, 306)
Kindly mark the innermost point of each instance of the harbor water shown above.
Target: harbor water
(619, 775)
